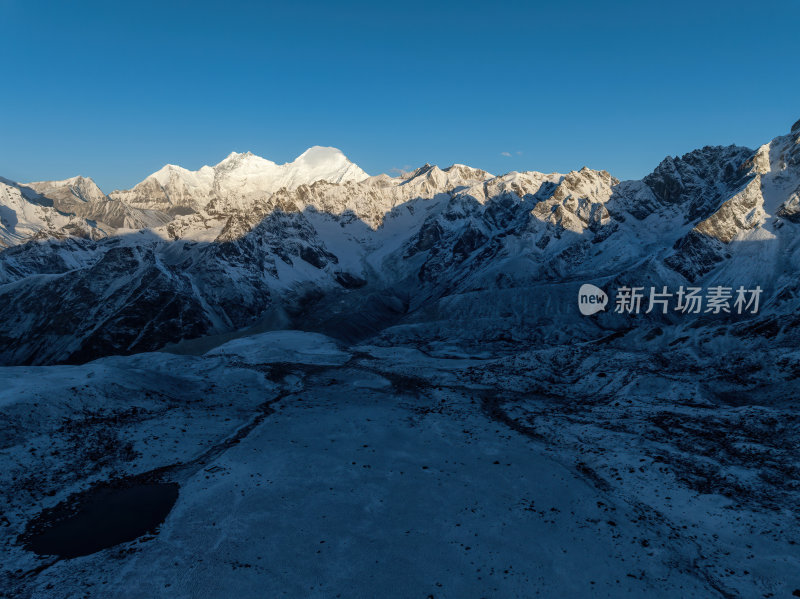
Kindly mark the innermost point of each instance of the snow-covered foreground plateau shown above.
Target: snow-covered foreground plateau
(311, 469)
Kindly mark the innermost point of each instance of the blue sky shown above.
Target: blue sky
(114, 90)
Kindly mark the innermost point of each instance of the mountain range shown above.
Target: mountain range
(390, 381)
(455, 252)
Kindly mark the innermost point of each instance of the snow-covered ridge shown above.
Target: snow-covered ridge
(67, 191)
(453, 246)
(237, 181)
(78, 207)
(225, 201)
(25, 216)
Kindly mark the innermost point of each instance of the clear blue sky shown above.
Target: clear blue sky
(114, 90)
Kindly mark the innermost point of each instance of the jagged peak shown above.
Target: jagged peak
(419, 171)
(77, 187)
(236, 157)
(466, 170)
(585, 173)
(76, 180)
(169, 168)
(381, 179)
(247, 160)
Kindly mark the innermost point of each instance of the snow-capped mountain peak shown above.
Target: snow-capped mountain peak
(321, 153)
(79, 188)
(322, 156)
(169, 171)
(320, 163)
(247, 160)
(237, 181)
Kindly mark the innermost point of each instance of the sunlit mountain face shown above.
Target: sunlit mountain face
(261, 379)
